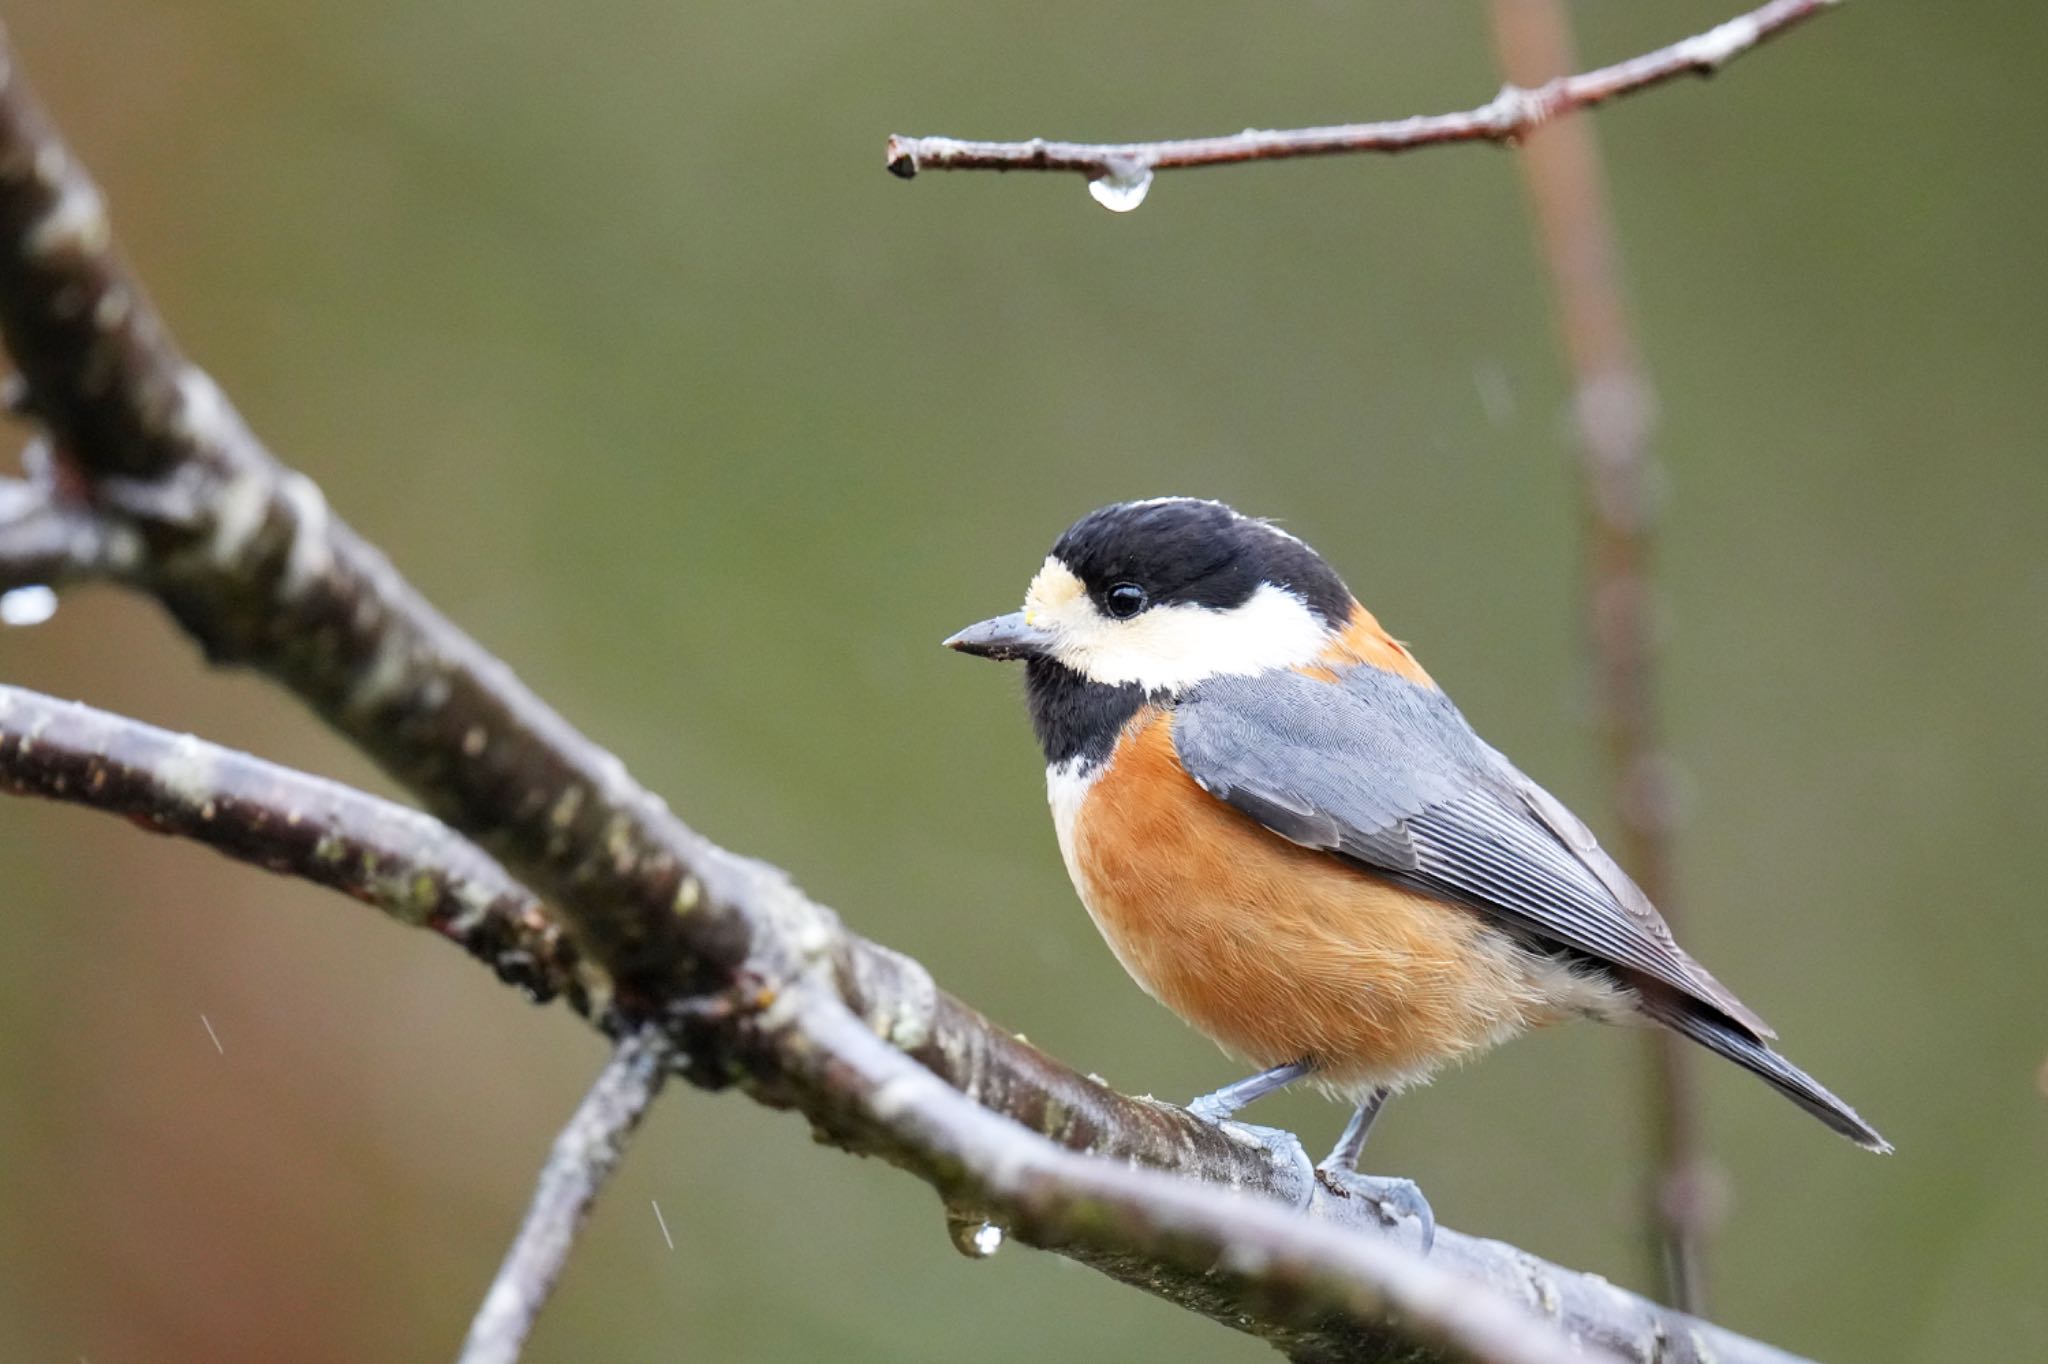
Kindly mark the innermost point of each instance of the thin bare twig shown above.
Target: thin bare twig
(1510, 115)
(410, 865)
(583, 1157)
(723, 951)
(1613, 404)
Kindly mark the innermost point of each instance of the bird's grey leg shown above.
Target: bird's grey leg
(1395, 1198)
(1352, 1144)
(1227, 1100)
(1290, 1163)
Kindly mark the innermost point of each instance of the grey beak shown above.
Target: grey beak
(1005, 638)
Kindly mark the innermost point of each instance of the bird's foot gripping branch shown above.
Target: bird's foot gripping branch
(544, 858)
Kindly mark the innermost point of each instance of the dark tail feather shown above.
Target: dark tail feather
(1725, 1038)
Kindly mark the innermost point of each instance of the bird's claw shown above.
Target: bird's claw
(1394, 1200)
(1292, 1171)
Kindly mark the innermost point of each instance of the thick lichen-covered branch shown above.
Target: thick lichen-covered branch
(246, 555)
(1511, 114)
(739, 966)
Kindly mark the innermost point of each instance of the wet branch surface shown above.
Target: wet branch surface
(750, 981)
(1508, 116)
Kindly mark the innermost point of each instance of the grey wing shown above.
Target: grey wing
(1389, 775)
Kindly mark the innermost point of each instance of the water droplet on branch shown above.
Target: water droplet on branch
(975, 1237)
(1122, 187)
(27, 606)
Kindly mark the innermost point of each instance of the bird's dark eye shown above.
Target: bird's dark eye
(1124, 600)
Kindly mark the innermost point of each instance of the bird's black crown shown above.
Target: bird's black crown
(1183, 549)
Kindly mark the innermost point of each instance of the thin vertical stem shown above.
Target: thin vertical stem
(1613, 406)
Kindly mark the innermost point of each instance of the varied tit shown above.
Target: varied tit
(1292, 838)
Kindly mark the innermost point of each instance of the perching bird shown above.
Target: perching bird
(1293, 839)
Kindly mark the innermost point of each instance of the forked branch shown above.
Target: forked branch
(48, 539)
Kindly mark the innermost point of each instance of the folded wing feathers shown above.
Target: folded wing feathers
(1388, 774)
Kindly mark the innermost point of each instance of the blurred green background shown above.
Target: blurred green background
(605, 322)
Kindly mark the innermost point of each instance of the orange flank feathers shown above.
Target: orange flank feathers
(1281, 953)
(1363, 641)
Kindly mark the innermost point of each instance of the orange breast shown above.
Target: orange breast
(1278, 952)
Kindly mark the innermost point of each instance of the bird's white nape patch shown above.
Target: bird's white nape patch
(1172, 647)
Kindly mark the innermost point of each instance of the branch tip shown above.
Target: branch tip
(902, 157)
